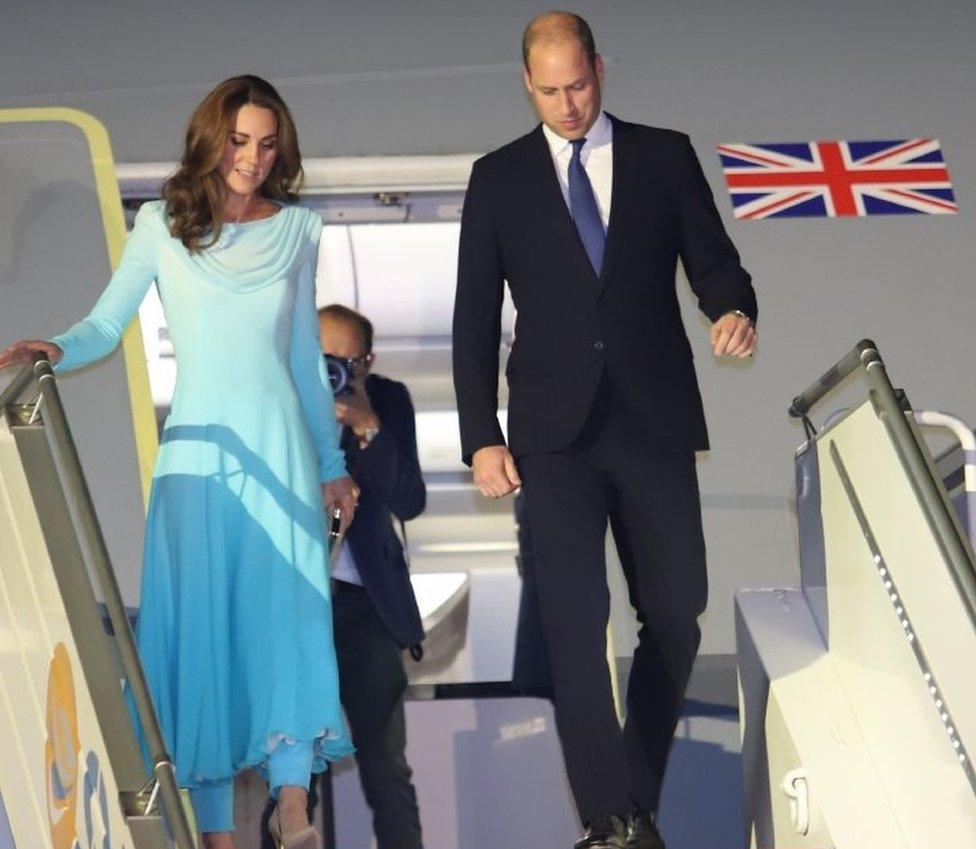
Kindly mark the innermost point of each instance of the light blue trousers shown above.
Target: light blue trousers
(290, 764)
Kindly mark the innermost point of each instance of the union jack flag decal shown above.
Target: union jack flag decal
(837, 178)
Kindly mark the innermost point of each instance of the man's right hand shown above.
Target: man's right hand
(21, 352)
(494, 471)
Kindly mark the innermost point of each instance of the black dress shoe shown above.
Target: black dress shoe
(608, 832)
(642, 832)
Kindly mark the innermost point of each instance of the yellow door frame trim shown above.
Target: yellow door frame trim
(113, 223)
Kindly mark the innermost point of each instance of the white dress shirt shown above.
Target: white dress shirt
(597, 159)
(345, 567)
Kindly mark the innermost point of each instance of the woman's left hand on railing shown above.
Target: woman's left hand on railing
(23, 352)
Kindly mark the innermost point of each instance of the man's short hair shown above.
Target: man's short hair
(338, 311)
(561, 25)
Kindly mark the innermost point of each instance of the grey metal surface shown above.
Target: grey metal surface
(6, 835)
(13, 390)
(754, 695)
(922, 471)
(53, 266)
(813, 563)
(489, 774)
(934, 500)
(902, 607)
(832, 378)
(97, 655)
(80, 561)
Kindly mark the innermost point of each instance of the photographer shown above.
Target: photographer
(375, 613)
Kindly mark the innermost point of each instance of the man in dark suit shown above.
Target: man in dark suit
(375, 613)
(585, 218)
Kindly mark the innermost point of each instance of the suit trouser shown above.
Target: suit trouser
(530, 670)
(651, 500)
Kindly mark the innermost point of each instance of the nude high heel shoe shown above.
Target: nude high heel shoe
(307, 838)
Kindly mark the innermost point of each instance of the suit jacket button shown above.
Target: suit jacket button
(598, 345)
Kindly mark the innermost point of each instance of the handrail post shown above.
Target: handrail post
(861, 353)
(20, 382)
(938, 512)
(95, 555)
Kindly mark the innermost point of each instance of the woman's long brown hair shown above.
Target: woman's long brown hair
(195, 193)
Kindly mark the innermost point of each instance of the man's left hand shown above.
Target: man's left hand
(354, 410)
(733, 335)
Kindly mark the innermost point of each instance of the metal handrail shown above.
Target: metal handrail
(95, 555)
(967, 444)
(833, 377)
(933, 500)
(22, 379)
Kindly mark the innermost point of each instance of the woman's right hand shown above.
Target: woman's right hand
(344, 494)
(22, 352)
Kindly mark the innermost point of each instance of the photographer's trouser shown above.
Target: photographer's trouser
(372, 683)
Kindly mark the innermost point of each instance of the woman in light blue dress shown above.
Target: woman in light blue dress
(235, 626)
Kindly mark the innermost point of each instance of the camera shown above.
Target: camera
(339, 374)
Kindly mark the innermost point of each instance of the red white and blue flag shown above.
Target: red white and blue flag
(837, 178)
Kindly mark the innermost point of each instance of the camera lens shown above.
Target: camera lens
(338, 374)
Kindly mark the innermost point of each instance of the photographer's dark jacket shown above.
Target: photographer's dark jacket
(573, 327)
(392, 489)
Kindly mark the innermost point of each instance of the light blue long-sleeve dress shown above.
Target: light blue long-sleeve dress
(235, 626)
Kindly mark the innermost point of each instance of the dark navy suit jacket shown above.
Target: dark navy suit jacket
(388, 473)
(572, 325)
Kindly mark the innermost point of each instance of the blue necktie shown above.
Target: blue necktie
(585, 212)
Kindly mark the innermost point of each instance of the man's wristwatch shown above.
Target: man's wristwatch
(368, 436)
(741, 314)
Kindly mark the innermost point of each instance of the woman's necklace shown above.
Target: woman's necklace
(242, 218)
(240, 215)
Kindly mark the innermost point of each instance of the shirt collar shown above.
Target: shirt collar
(600, 133)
